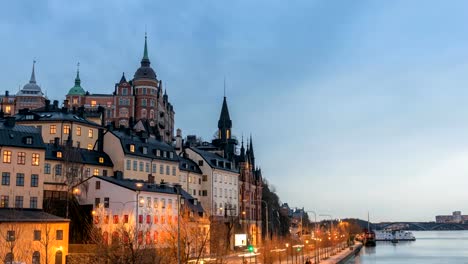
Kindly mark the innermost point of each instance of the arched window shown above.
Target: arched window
(36, 258)
(155, 237)
(148, 237)
(105, 237)
(58, 257)
(9, 258)
(115, 237)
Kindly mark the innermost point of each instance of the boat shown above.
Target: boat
(369, 235)
(391, 235)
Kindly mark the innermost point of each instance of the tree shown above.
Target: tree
(14, 246)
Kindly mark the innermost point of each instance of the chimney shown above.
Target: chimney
(55, 104)
(10, 121)
(100, 140)
(178, 145)
(47, 105)
(56, 142)
(150, 179)
(118, 175)
(7, 93)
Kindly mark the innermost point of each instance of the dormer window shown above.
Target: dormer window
(29, 141)
(29, 117)
(59, 154)
(132, 148)
(158, 153)
(171, 155)
(101, 160)
(145, 150)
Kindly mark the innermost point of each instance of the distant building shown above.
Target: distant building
(456, 217)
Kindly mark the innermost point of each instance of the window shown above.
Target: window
(6, 156)
(96, 172)
(21, 158)
(88, 172)
(148, 219)
(116, 219)
(33, 202)
(154, 168)
(145, 150)
(11, 235)
(125, 220)
(132, 148)
(148, 202)
(143, 102)
(4, 201)
(124, 91)
(158, 153)
(66, 129)
(163, 203)
(168, 170)
(53, 129)
(129, 165)
(5, 178)
(19, 202)
(141, 165)
(47, 168)
(101, 160)
(215, 191)
(161, 169)
(169, 204)
(173, 171)
(155, 202)
(37, 235)
(58, 170)
(34, 180)
(29, 141)
(147, 167)
(59, 154)
(135, 165)
(97, 201)
(205, 193)
(215, 178)
(205, 178)
(35, 159)
(19, 179)
(59, 235)
(106, 202)
(36, 258)
(140, 219)
(90, 147)
(90, 133)
(98, 185)
(78, 131)
(8, 109)
(93, 103)
(75, 101)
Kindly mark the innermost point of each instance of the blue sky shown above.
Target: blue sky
(354, 106)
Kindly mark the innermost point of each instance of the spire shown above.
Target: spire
(77, 79)
(242, 151)
(224, 119)
(145, 61)
(123, 80)
(251, 147)
(33, 75)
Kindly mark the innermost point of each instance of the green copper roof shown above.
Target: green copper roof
(145, 53)
(77, 89)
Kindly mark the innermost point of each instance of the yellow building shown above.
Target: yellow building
(32, 236)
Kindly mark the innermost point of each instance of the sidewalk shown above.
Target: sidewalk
(342, 255)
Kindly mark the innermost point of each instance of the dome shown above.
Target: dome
(77, 89)
(145, 71)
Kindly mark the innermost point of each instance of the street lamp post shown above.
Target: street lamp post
(331, 226)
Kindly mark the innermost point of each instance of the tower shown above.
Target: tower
(76, 93)
(31, 95)
(224, 139)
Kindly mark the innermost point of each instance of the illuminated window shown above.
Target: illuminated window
(78, 131)
(35, 159)
(90, 133)
(53, 129)
(8, 109)
(93, 103)
(116, 219)
(132, 148)
(101, 160)
(75, 101)
(228, 133)
(90, 146)
(21, 158)
(96, 172)
(59, 154)
(66, 129)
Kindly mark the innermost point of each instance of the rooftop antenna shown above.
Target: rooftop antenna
(224, 86)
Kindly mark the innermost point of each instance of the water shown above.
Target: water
(430, 247)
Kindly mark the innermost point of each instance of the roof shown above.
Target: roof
(145, 71)
(224, 119)
(16, 136)
(31, 88)
(28, 215)
(77, 89)
(141, 143)
(52, 115)
(188, 165)
(78, 155)
(151, 187)
(216, 161)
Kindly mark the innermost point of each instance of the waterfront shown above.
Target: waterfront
(429, 247)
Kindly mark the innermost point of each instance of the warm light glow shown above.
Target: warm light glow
(287, 244)
(139, 185)
(59, 248)
(93, 212)
(243, 212)
(76, 191)
(142, 201)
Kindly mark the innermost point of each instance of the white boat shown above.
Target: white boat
(388, 235)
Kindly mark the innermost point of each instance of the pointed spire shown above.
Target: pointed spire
(77, 79)
(145, 60)
(123, 80)
(242, 151)
(224, 119)
(33, 75)
(251, 147)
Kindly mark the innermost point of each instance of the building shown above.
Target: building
(190, 177)
(141, 99)
(62, 123)
(32, 236)
(456, 217)
(141, 156)
(22, 164)
(148, 211)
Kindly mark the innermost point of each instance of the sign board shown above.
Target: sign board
(240, 240)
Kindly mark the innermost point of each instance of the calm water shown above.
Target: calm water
(429, 247)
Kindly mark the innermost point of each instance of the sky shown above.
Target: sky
(353, 106)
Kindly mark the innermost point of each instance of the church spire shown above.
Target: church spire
(33, 75)
(224, 123)
(251, 151)
(145, 60)
(77, 79)
(242, 151)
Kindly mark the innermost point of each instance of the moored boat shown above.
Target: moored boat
(400, 235)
